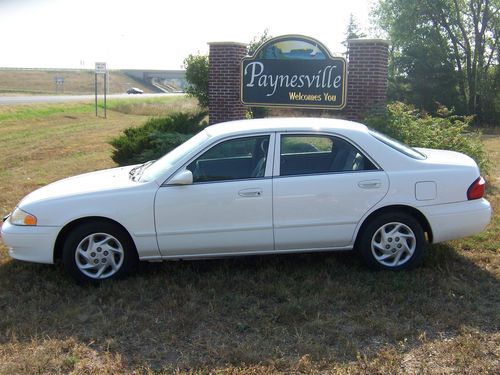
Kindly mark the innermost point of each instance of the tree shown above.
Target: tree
(466, 29)
(353, 31)
(197, 73)
(427, 76)
(257, 41)
(197, 76)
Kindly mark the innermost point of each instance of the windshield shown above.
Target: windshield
(398, 146)
(157, 168)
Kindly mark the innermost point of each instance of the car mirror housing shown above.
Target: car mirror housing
(184, 177)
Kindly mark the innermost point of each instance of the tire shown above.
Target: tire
(392, 241)
(97, 251)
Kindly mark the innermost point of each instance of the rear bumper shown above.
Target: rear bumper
(30, 243)
(457, 220)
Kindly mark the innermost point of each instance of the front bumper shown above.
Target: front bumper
(30, 243)
(456, 220)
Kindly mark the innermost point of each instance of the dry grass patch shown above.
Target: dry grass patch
(48, 356)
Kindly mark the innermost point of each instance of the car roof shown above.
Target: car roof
(284, 124)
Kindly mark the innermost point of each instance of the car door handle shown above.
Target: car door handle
(370, 184)
(250, 193)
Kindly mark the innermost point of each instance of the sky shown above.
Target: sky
(157, 34)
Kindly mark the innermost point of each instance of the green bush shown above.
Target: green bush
(163, 143)
(155, 138)
(418, 129)
(197, 76)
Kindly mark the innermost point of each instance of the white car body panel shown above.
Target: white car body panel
(32, 244)
(291, 213)
(108, 194)
(217, 217)
(322, 211)
(453, 221)
(93, 182)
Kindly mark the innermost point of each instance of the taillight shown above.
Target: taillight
(476, 190)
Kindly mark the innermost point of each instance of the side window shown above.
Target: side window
(234, 159)
(310, 154)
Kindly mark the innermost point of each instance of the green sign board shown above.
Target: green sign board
(293, 71)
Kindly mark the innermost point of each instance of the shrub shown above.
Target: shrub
(197, 76)
(155, 137)
(162, 143)
(418, 129)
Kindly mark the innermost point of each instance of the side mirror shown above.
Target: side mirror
(184, 177)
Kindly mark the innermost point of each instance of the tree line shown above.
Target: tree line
(444, 52)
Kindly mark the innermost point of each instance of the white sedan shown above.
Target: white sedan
(255, 187)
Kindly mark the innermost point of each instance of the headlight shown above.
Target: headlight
(20, 217)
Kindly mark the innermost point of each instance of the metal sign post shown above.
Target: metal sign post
(100, 68)
(105, 91)
(59, 82)
(95, 90)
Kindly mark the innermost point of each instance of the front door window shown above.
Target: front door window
(235, 159)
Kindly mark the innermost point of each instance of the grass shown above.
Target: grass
(29, 112)
(153, 106)
(38, 81)
(143, 106)
(304, 313)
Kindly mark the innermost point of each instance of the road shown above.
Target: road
(30, 99)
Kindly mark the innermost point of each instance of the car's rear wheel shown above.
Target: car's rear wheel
(392, 241)
(97, 251)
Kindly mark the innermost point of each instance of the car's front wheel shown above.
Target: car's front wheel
(392, 241)
(96, 251)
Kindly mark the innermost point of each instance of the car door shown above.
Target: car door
(323, 185)
(227, 208)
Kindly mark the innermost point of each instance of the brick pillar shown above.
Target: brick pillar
(224, 102)
(367, 77)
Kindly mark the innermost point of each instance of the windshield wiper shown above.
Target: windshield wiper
(136, 172)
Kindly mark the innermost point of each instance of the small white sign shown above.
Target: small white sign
(100, 68)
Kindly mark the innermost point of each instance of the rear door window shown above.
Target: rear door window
(312, 154)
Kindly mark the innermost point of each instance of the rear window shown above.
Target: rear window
(398, 146)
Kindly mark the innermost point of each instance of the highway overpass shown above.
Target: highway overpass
(165, 80)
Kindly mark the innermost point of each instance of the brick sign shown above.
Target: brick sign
(293, 71)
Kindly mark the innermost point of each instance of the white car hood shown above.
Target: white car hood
(105, 180)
